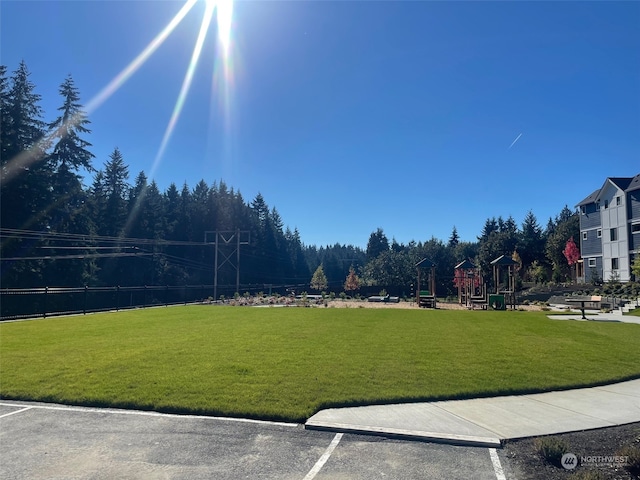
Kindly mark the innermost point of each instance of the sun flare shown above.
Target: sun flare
(224, 14)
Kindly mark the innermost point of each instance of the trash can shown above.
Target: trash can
(496, 302)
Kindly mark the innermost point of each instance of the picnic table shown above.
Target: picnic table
(581, 301)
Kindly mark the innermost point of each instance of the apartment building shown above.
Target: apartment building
(610, 230)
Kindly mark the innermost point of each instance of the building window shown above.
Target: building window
(599, 233)
(584, 235)
(597, 206)
(614, 264)
(583, 209)
(618, 201)
(592, 263)
(613, 234)
(635, 228)
(606, 204)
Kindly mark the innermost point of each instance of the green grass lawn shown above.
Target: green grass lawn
(287, 363)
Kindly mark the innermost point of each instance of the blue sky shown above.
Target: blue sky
(349, 116)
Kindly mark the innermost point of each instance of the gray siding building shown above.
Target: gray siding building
(610, 230)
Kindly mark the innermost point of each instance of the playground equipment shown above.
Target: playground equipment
(472, 289)
(426, 298)
(505, 294)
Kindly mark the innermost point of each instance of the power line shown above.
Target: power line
(75, 237)
(76, 257)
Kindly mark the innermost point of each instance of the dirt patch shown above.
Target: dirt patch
(591, 445)
(407, 305)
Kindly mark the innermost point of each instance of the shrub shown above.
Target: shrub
(632, 452)
(587, 475)
(552, 449)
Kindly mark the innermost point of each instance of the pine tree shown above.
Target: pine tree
(69, 154)
(531, 241)
(319, 279)
(116, 174)
(171, 199)
(5, 119)
(26, 176)
(490, 226)
(377, 244)
(454, 239)
(70, 151)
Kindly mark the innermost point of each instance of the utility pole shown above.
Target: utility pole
(227, 243)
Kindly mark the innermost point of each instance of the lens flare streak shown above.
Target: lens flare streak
(137, 62)
(186, 84)
(22, 161)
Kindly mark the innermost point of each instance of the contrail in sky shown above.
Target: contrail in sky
(514, 142)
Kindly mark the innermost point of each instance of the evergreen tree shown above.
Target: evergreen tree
(565, 214)
(171, 199)
(531, 241)
(296, 255)
(5, 119)
(490, 226)
(396, 247)
(25, 196)
(69, 213)
(510, 226)
(115, 187)
(454, 239)
(390, 269)
(319, 279)
(184, 228)
(556, 243)
(200, 211)
(70, 151)
(260, 210)
(377, 244)
(146, 216)
(492, 247)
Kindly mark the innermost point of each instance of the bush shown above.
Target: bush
(552, 449)
(587, 475)
(633, 460)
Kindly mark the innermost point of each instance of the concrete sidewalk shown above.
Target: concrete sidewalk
(594, 316)
(489, 421)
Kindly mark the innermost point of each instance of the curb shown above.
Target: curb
(450, 439)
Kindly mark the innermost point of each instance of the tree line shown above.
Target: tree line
(123, 230)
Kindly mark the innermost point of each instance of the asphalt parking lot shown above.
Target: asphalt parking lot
(44, 441)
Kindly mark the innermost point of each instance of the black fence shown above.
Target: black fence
(49, 301)
(52, 301)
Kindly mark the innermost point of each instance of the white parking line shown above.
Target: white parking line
(325, 456)
(14, 412)
(497, 466)
(139, 412)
